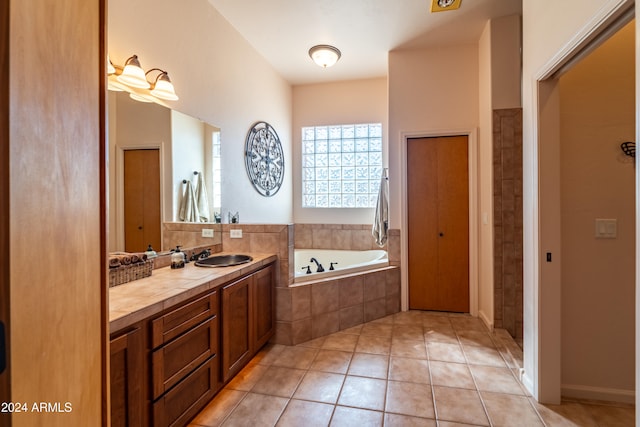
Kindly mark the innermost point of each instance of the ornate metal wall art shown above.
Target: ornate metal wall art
(264, 158)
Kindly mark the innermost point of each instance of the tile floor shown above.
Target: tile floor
(409, 369)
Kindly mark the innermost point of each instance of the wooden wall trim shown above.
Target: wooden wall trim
(5, 377)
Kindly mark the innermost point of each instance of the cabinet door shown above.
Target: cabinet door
(262, 296)
(126, 370)
(236, 329)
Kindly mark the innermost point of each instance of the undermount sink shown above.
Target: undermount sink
(223, 260)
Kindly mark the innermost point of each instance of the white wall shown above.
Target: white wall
(597, 107)
(355, 101)
(188, 156)
(220, 79)
(550, 30)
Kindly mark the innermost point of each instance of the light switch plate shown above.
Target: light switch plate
(207, 232)
(606, 228)
(235, 234)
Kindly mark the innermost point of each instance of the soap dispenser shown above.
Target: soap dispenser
(177, 258)
(150, 253)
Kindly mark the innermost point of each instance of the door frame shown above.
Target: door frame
(472, 160)
(119, 188)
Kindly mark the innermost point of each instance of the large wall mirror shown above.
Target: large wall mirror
(153, 151)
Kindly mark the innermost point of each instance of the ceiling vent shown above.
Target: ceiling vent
(442, 5)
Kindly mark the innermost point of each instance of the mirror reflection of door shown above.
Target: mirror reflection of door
(141, 199)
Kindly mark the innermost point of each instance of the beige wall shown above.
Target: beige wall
(550, 31)
(356, 101)
(220, 79)
(433, 92)
(58, 334)
(597, 114)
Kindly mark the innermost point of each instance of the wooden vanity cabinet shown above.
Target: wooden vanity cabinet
(184, 360)
(248, 319)
(165, 369)
(127, 378)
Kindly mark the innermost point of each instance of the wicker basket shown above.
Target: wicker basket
(128, 273)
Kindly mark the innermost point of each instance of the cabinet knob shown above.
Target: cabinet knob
(441, 234)
(139, 227)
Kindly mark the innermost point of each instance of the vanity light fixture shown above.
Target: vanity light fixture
(442, 5)
(133, 79)
(324, 55)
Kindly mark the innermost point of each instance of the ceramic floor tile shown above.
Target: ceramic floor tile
(445, 352)
(468, 323)
(408, 332)
(408, 348)
(309, 414)
(410, 399)
(482, 339)
(315, 343)
(256, 410)
(440, 334)
(499, 380)
(373, 344)
(295, 357)
(483, 356)
(332, 361)
(277, 381)
(504, 409)
(355, 330)
(397, 420)
(320, 387)
(412, 317)
(377, 329)
(612, 416)
(451, 375)
(340, 341)
(567, 414)
(268, 354)
(366, 393)
(431, 321)
(369, 365)
(219, 408)
(459, 405)
(354, 417)
(247, 377)
(407, 369)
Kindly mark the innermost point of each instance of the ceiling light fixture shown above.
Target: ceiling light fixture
(442, 5)
(324, 55)
(133, 79)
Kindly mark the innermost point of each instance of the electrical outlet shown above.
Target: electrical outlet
(606, 228)
(207, 232)
(235, 234)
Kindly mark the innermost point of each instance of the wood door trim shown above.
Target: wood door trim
(474, 208)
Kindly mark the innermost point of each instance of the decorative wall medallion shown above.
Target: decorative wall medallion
(264, 158)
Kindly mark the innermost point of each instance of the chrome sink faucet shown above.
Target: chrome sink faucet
(320, 267)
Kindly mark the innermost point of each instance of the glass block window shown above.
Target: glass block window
(341, 165)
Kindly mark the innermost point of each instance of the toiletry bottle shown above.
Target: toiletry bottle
(150, 253)
(177, 258)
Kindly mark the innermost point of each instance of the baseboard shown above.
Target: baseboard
(488, 323)
(527, 382)
(598, 393)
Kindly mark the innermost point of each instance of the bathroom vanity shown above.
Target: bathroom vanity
(178, 336)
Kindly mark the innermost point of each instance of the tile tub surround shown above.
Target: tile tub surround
(315, 309)
(379, 374)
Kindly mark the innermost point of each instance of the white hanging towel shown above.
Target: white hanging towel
(381, 219)
(188, 209)
(201, 199)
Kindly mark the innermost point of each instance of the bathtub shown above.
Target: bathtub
(346, 262)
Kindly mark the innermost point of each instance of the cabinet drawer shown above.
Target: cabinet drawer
(172, 324)
(175, 360)
(187, 398)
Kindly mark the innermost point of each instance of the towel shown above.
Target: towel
(381, 219)
(188, 209)
(201, 199)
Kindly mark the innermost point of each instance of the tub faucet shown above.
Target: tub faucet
(320, 267)
(331, 266)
